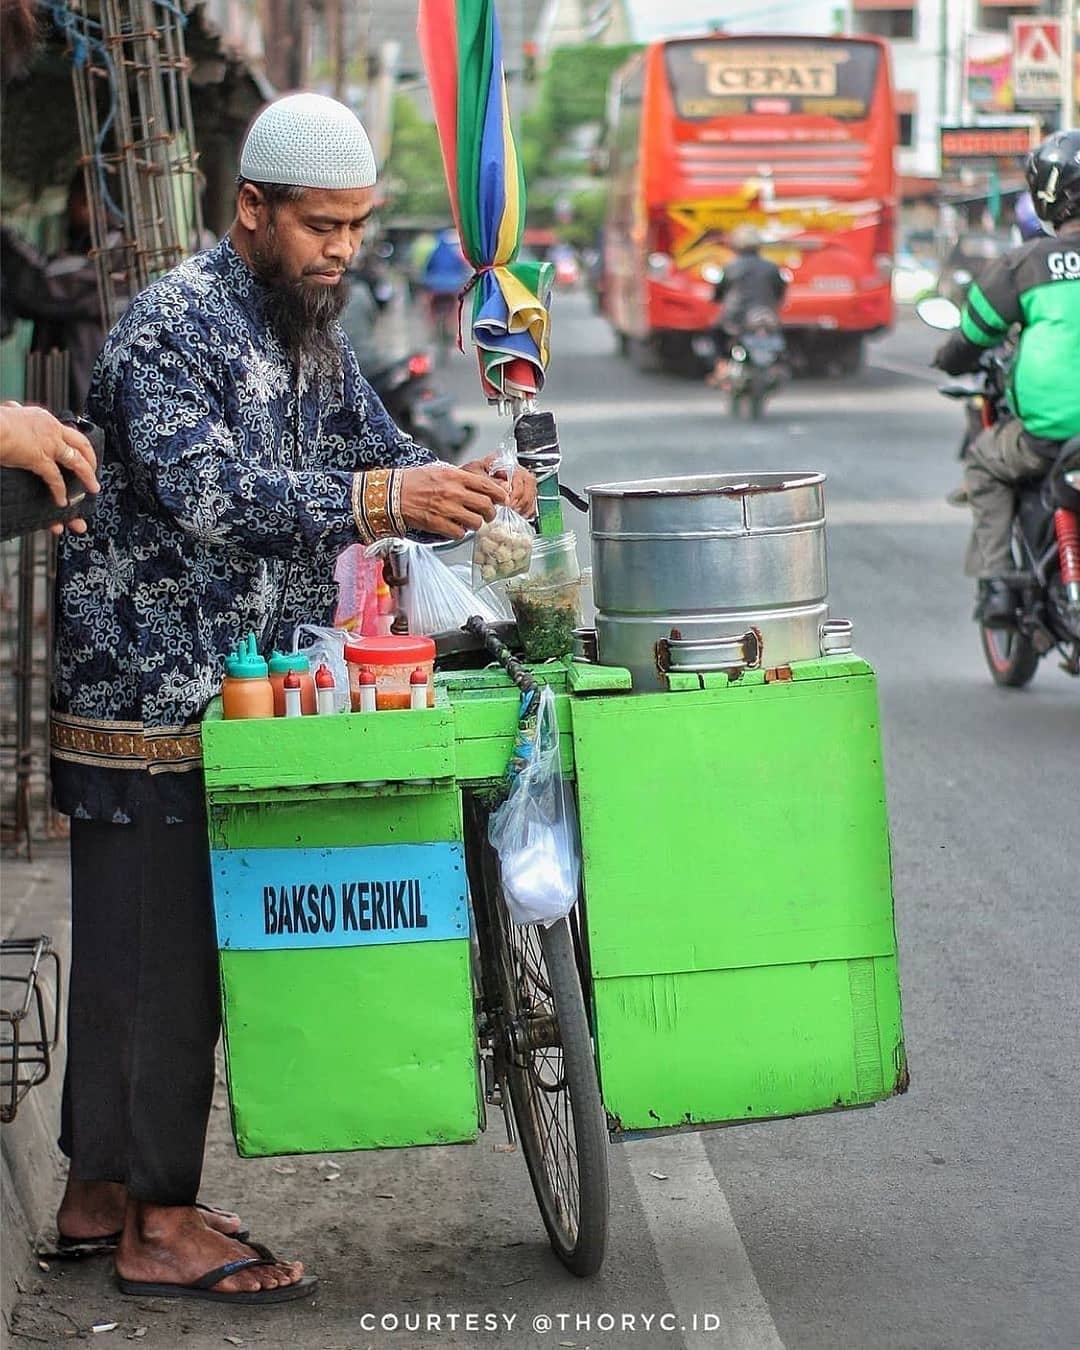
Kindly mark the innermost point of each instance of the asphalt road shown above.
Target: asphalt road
(943, 1220)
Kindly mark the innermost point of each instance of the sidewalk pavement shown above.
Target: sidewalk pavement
(35, 898)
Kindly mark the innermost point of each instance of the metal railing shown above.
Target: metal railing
(132, 99)
(28, 1033)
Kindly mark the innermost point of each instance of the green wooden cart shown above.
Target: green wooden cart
(732, 956)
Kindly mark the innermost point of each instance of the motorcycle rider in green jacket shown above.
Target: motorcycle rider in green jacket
(1037, 288)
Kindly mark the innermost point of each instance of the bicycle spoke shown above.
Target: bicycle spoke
(543, 1056)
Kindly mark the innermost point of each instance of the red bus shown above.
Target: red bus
(794, 135)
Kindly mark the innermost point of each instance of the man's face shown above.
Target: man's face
(311, 241)
(300, 250)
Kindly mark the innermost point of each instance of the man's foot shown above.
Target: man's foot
(93, 1211)
(996, 604)
(171, 1248)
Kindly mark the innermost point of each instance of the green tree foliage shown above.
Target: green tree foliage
(414, 170)
(576, 83)
(589, 208)
(573, 93)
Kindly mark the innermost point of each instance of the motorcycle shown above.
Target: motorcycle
(1045, 530)
(419, 408)
(404, 384)
(756, 367)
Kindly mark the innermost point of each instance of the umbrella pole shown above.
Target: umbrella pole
(538, 451)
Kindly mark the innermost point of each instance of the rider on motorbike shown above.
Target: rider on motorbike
(1037, 287)
(748, 282)
(445, 275)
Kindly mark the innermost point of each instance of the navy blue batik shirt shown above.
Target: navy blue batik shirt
(226, 495)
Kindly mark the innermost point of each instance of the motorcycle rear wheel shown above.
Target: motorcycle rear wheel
(1012, 658)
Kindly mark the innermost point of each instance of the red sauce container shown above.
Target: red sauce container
(393, 659)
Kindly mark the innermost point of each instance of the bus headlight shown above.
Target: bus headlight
(658, 264)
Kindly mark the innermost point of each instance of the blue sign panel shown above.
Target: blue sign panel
(272, 898)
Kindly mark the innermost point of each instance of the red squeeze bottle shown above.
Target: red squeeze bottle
(291, 686)
(367, 690)
(324, 689)
(418, 688)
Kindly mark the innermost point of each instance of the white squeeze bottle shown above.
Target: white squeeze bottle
(325, 690)
(293, 704)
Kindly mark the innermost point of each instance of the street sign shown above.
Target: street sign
(1037, 63)
(991, 141)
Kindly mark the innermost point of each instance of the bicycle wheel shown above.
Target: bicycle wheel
(543, 1052)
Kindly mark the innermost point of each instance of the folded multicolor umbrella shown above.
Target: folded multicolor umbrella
(462, 49)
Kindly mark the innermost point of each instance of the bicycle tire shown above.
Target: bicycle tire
(577, 1231)
(515, 987)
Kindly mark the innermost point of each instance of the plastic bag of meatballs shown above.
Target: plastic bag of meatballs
(502, 547)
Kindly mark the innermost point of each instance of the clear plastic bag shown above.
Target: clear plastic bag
(327, 645)
(357, 577)
(434, 599)
(535, 832)
(502, 547)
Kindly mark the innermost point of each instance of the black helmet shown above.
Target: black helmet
(1053, 175)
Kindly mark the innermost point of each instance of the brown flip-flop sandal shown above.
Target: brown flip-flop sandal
(203, 1287)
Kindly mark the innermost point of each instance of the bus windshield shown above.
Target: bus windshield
(777, 77)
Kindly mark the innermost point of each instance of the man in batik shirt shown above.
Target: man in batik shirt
(245, 451)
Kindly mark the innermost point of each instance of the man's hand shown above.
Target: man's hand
(33, 439)
(442, 499)
(958, 356)
(522, 485)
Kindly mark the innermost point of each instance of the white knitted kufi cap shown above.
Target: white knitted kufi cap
(311, 141)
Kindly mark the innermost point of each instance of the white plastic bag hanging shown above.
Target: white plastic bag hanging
(535, 833)
(502, 547)
(433, 598)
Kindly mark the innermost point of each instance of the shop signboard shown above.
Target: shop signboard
(988, 72)
(985, 143)
(1037, 61)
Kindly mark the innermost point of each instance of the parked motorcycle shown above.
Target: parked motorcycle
(756, 367)
(419, 408)
(1045, 531)
(404, 385)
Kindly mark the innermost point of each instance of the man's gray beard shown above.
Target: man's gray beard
(303, 316)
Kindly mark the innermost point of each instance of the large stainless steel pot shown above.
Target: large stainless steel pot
(710, 555)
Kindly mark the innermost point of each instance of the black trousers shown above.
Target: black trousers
(143, 1006)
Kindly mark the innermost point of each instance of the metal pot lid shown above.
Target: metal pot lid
(705, 484)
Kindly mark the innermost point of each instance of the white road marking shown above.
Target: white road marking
(704, 1264)
(910, 368)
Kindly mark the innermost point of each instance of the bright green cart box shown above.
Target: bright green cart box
(344, 932)
(738, 899)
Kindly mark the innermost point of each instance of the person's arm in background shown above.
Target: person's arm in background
(993, 306)
(33, 290)
(34, 440)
